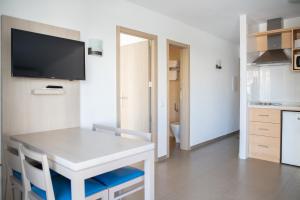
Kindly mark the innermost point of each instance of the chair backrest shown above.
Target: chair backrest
(32, 175)
(123, 132)
(12, 156)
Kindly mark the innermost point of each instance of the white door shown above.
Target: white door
(134, 86)
(291, 138)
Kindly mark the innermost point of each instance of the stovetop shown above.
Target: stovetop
(267, 104)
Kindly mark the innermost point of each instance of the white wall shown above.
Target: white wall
(214, 105)
(243, 150)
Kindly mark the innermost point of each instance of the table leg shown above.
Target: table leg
(77, 189)
(149, 176)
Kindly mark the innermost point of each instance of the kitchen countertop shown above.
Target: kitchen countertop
(281, 107)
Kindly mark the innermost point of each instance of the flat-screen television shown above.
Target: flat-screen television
(43, 56)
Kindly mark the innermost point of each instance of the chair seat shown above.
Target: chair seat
(17, 175)
(62, 188)
(119, 176)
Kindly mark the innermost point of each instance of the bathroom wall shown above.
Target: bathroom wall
(174, 88)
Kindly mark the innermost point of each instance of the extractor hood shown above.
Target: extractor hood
(275, 54)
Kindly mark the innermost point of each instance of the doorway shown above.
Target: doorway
(178, 87)
(137, 81)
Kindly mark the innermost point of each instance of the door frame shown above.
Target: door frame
(153, 41)
(185, 138)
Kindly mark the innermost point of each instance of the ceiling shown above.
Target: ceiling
(221, 17)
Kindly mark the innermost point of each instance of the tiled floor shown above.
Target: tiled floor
(214, 172)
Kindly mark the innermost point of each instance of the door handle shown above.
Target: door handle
(124, 98)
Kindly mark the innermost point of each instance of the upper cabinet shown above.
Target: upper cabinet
(266, 41)
(286, 40)
(296, 48)
(262, 42)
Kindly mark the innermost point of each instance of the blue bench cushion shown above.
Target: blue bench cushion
(17, 175)
(119, 176)
(62, 188)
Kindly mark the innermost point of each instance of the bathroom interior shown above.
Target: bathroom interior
(174, 97)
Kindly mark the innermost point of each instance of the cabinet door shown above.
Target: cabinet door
(286, 40)
(265, 115)
(264, 148)
(262, 43)
(265, 129)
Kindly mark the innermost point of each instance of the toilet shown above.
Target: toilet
(175, 127)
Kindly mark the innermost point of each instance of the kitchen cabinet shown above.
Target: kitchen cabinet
(262, 39)
(286, 40)
(265, 115)
(264, 134)
(295, 50)
(261, 43)
(264, 148)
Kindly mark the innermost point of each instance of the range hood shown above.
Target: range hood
(275, 54)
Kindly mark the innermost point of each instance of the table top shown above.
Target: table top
(78, 148)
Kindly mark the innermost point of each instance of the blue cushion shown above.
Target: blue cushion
(17, 175)
(53, 173)
(119, 176)
(62, 188)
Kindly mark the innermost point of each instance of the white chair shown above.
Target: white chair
(14, 168)
(126, 180)
(40, 185)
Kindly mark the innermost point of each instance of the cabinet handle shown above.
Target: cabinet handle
(264, 115)
(264, 129)
(263, 146)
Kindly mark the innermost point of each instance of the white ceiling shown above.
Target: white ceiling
(221, 17)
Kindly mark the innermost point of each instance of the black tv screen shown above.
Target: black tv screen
(43, 56)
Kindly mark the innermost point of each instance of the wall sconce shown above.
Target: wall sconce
(219, 64)
(95, 47)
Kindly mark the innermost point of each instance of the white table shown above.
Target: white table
(79, 154)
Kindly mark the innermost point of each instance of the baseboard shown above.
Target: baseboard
(163, 158)
(214, 140)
